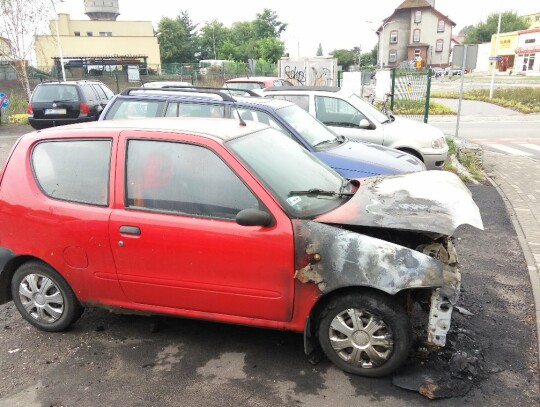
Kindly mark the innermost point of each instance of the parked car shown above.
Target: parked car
(57, 103)
(348, 115)
(175, 216)
(256, 82)
(437, 71)
(351, 159)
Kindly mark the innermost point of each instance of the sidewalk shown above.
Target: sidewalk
(474, 110)
(518, 182)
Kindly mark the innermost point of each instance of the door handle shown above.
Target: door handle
(130, 230)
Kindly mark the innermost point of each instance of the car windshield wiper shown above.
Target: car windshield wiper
(320, 192)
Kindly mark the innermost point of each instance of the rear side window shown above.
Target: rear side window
(133, 109)
(89, 93)
(55, 93)
(109, 93)
(74, 170)
(300, 100)
(99, 92)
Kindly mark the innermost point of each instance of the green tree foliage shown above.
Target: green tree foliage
(345, 57)
(177, 39)
(257, 39)
(483, 31)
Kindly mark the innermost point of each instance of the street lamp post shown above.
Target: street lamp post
(58, 41)
(382, 40)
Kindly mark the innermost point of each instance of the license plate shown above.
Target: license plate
(55, 111)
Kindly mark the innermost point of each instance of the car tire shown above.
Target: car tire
(350, 325)
(44, 298)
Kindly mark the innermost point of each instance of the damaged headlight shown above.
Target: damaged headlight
(438, 143)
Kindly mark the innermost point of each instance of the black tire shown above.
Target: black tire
(392, 331)
(44, 298)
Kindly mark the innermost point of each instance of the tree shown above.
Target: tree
(483, 31)
(20, 22)
(267, 25)
(212, 37)
(319, 50)
(177, 39)
(345, 57)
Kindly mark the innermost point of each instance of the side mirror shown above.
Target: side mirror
(364, 124)
(254, 217)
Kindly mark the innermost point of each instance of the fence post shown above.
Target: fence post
(393, 89)
(117, 83)
(428, 93)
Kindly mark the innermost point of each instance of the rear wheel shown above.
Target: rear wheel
(365, 334)
(44, 298)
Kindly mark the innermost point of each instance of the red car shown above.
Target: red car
(256, 82)
(232, 222)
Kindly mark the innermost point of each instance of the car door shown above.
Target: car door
(344, 119)
(175, 240)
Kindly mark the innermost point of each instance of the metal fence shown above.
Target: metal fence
(411, 89)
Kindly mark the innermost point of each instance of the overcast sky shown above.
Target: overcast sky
(336, 25)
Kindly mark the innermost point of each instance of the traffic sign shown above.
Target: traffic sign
(4, 101)
(497, 58)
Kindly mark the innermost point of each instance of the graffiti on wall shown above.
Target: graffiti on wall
(305, 72)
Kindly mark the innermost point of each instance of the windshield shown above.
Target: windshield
(316, 134)
(284, 166)
(365, 107)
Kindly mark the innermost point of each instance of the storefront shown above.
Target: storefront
(528, 52)
(504, 47)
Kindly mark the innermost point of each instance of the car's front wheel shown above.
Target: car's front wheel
(44, 298)
(367, 334)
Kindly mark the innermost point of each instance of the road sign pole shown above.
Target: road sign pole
(463, 65)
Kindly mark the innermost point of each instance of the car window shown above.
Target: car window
(243, 85)
(108, 93)
(337, 112)
(134, 109)
(89, 93)
(182, 109)
(55, 93)
(300, 100)
(183, 178)
(258, 116)
(100, 92)
(75, 170)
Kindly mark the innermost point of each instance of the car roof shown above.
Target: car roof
(254, 79)
(200, 95)
(216, 128)
(304, 88)
(82, 81)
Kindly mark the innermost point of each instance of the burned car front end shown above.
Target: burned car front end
(394, 235)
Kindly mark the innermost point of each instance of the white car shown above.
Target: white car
(350, 116)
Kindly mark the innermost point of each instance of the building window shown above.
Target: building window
(416, 36)
(530, 41)
(416, 53)
(393, 37)
(77, 33)
(105, 34)
(537, 18)
(89, 33)
(440, 26)
(439, 45)
(417, 16)
(392, 56)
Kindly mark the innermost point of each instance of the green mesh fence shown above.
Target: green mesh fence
(411, 89)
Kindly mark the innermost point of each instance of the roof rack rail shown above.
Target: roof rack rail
(250, 92)
(224, 96)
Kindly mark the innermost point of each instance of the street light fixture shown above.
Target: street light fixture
(58, 41)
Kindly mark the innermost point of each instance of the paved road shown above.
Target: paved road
(496, 128)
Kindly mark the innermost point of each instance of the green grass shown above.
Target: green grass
(17, 105)
(522, 99)
(473, 167)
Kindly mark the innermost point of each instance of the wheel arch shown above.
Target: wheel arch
(9, 269)
(412, 152)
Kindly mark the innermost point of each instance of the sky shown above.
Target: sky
(339, 25)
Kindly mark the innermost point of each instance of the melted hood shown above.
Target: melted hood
(426, 201)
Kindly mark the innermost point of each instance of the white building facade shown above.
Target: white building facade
(528, 53)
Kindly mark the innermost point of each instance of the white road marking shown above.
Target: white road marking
(510, 150)
(535, 147)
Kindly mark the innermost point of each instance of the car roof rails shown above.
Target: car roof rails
(303, 88)
(164, 90)
(250, 92)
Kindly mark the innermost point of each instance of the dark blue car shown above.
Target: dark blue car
(350, 159)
